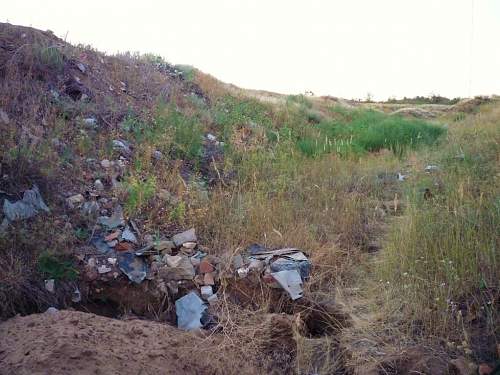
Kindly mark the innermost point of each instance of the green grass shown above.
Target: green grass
(444, 253)
(53, 267)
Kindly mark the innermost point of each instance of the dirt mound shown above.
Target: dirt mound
(70, 342)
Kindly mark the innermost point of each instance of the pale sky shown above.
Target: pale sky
(341, 48)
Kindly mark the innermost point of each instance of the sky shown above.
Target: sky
(349, 48)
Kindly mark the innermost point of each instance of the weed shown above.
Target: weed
(52, 267)
(139, 192)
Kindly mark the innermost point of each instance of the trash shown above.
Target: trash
(189, 310)
(256, 248)
(116, 220)
(290, 281)
(286, 264)
(98, 185)
(31, 204)
(432, 168)
(206, 291)
(76, 296)
(211, 137)
(402, 177)
(101, 245)
(187, 236)
(50, 285)
(103, 269)
(133, 266)
(51, 310)
(129, 236)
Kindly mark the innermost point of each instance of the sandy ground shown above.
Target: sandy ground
(70, 342)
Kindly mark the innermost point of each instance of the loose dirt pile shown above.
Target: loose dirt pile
(70, 342)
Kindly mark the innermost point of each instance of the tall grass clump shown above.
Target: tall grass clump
(442, 259)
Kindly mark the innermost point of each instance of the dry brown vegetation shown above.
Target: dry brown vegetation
(287, 175)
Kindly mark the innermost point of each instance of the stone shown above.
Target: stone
(90, 122)
(112, 236)
(51, 311)
(106, 164)
(213, 299)
(189, 310)
(208, 279)
(103, 269)
(172, 260)
(157, 155)
(187, 236)
(90, 208)
(189, 245)
(124, 246)
(98, 185)
(31, 204)
(112, 261)
(177, 269)
(237, 261)
(122, 146)
(112, 243)
(211, 137)
(206, 291)
(129, 236)
(195, 261)
(164, 246)
(50, 285)
(75, 200)
(4, 117)
(206, 267)
(484, 369)
(116, 220)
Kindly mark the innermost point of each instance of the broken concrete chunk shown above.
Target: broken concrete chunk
(213, 299)
(290, 281)
(31, 204)
(208, 279)
(133, 266)
(177, 268)
(189, 310)
(172, 260)
(187, 236)
(206, 267)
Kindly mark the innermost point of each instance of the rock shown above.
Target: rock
(112, 261)
(195, 261)
(103, 269)
(187, 236)
(133, 266)
(112, 243)
(189, 245)
(75, 200)
(51, 311)
(177, 268)
(116, 220)
(256, 265)
(206, 291)
(50, 285)
(164, 246)
(81, 67)
(213, 299)
(189, 310)
(242, 272)
(90, 122)
(208, 279)
(90, 208)
(98, 185)
(4, 117)
(157, 155)
(31, 204)
(461, 366)
(122, 146)
(237, 261)
(484, 369)
(124, 246)
(106, 164)
(211, 137)
(112, 236)
(206, 267)
(129, 236)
